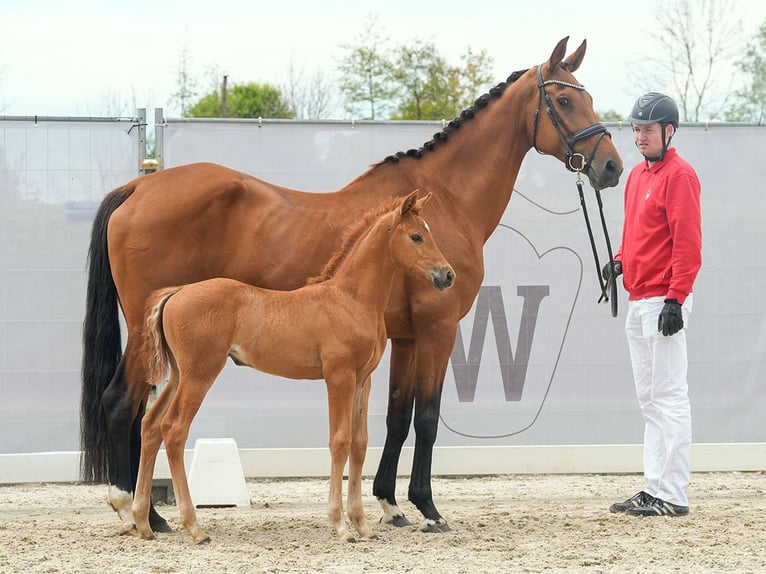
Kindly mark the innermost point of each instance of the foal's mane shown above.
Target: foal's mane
(351, 236)
(467, 114)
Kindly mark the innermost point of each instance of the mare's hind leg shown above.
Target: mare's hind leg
(150, 446)
(340, 400)
(120, 409)
(123, 402)
(356, 460)
(400, 402)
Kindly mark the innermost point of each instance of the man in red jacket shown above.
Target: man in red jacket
(660, 256)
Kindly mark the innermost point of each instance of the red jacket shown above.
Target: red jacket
(661, 251)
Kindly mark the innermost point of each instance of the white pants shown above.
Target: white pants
(659, 371)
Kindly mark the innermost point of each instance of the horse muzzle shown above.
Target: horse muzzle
(605, 172)
(443, 278)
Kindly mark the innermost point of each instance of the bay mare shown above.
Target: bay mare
(332, 329)
(199, 221)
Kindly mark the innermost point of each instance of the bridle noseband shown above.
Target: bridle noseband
(584, 165)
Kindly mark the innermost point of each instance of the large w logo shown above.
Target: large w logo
(513, 369)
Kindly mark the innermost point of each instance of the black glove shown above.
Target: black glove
(671, 319)
(606, 272)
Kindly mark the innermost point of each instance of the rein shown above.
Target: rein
(593, 129)
(611, 284)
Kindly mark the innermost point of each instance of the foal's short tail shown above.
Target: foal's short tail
(154, 350)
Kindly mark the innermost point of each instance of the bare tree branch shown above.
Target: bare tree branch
(694, 44)
(311, 97)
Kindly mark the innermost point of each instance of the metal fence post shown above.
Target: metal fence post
(141, 141)
(159, 137)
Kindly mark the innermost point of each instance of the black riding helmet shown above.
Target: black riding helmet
(656, 108)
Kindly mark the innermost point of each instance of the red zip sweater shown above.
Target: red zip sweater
(661, 251)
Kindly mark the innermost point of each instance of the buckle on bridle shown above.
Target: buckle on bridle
(577, 169)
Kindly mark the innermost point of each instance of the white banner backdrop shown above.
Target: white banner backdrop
(573, 384)
(53, 175)
(565, 379)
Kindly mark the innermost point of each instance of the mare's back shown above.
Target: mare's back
(197, 222)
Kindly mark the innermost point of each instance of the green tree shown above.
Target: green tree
(610, 116)
(251, 100)
(475, 76)
(749, 103)
(431, 89)
(413, 80)
(366, 73)
(417, 73)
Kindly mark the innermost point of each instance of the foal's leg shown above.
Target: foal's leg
(356, 460)
(175, 431)
(150, 445)
(340, 399)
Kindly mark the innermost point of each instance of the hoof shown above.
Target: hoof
(399, 521)
(158, 523)
(203, 542)
(435, 527)
(161, 525)
(128, 530)
(144, 535)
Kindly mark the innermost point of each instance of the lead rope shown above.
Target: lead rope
(611, 284)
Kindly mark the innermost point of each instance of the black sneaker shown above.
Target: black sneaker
(640, 499)
(658, 507)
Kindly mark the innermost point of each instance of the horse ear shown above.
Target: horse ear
(421, 202)
(409, 202)
(575, 59)
(558, 54)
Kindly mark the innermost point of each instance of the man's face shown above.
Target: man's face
(648, 138)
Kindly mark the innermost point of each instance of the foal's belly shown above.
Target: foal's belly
(282, 362)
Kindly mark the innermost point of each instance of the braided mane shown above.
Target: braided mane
(467, 114)
(351, 236)
(352, 233)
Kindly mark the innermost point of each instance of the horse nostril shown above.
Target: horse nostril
(450, 277)
(614, 168)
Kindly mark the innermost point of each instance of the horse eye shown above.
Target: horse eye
(417, 238)
(563, 101)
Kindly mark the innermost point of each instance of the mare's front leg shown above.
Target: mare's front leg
(341, 385)
(433, 351)
(356, 460)
(401, 394)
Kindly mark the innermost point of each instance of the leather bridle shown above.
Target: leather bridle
(568, 140)
(567, 137)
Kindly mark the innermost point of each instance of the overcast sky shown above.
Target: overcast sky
(87, 57)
